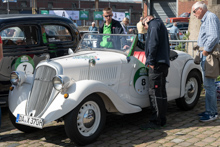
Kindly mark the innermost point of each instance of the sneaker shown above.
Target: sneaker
(207, 117)
(149, 126)
(203, 113)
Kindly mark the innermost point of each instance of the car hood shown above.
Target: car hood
(77, 66)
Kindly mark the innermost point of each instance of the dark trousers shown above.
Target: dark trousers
(157, 93)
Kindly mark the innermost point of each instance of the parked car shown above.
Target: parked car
(184, 17)
(104, 74)
(24, 43)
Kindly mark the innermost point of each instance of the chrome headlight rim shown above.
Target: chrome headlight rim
(55, 85)
(18, 78)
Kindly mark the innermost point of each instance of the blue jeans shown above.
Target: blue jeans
(210, 91)
(140, 37)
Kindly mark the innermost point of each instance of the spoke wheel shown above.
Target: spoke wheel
(84, 124)
(192, 92)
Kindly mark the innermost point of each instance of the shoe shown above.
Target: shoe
(203, 113)
(207, 117)
(149, 126)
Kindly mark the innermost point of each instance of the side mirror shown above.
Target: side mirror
(70, 51)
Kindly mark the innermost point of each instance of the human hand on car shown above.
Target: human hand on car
(126, 47)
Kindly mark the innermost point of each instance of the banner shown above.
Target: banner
(84, 15)
(44, 12)
(98, 15)
(5, 1)
(127, 15)
(73, 15)
(119, 16)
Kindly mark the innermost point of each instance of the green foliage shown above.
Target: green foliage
(181, 45)
(218, 78)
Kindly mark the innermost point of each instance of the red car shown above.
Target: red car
(184, 17)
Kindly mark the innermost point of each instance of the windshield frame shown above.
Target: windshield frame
(128, 52)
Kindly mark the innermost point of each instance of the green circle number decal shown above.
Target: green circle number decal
(25, 63)
(141, 81)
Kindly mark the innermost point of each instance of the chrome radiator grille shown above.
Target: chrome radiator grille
(41, 89)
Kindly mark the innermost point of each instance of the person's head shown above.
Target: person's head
(141, 19)
(107, 14)
(175, 23)
(146, 20)
(199, 9)
(93, 24)
(125, 21)
(20, 42)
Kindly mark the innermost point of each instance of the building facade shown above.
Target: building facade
(136, 8)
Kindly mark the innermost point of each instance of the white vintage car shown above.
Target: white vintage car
(104, 74)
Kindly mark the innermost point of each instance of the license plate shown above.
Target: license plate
(30, 121)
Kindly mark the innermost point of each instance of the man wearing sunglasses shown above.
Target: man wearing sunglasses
(208, 38)
(157, 52)
(110, 26)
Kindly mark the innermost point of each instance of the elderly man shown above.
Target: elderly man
(93, 28)
(209, 36)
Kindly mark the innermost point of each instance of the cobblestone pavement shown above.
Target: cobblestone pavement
(182, 129)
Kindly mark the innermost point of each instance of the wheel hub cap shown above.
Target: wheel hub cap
(89, 118)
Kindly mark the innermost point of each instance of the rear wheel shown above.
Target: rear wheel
(20, 127)
(192, 92)
(84, 124)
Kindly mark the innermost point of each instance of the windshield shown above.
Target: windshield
(184, 15)
(113, 42)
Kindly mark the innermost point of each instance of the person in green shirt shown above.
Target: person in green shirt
(110, 26)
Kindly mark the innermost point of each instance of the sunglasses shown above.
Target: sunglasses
(195, 10)
(108, 16)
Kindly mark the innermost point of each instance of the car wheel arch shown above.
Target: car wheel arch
(188, 67)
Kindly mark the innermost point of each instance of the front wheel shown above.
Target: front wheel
(192, 92)
(84, 124)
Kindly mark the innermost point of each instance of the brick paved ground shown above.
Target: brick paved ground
(182, 129)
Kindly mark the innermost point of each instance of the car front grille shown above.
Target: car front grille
(41, 90)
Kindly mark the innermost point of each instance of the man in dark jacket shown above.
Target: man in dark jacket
(110, 26)
(157, 51)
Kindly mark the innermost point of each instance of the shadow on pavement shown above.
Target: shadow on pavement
(119, 129)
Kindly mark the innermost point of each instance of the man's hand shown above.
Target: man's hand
(151, 66)
(126, 47)
(205, 53)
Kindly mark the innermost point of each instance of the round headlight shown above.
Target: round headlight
(14, 79)
(58, 83)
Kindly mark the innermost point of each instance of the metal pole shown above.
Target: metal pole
(96, 9)
(8, 7)
(79, 4)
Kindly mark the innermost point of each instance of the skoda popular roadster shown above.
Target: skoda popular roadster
(104, 74)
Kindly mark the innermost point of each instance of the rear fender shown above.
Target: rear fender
(189, 66)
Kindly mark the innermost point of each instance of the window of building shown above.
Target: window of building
(50, 5)
(74, 5)
(23, 4)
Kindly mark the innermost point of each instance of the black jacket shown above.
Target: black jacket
(116, 28)
(157, 49)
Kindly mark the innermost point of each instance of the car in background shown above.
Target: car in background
(25, 44)
(184, 17)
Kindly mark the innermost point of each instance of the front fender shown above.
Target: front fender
(80, 90)
(189, 66)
